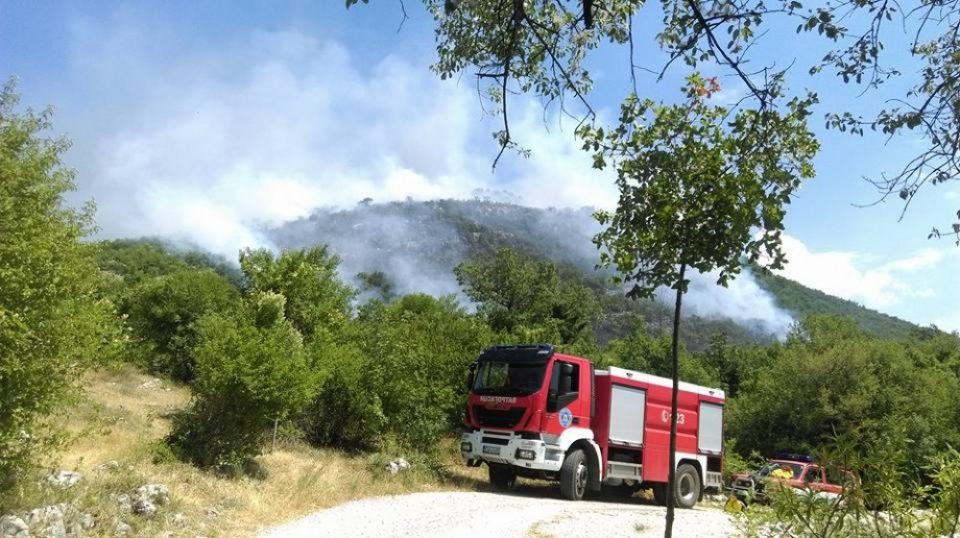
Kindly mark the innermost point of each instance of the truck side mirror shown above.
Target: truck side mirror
(551, 400)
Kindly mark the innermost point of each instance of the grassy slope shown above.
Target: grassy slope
(122, 419)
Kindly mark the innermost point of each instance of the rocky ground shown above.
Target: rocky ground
(502, 515)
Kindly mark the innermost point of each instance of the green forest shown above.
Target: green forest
(281, 337)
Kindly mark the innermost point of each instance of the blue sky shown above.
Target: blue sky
(202, 121)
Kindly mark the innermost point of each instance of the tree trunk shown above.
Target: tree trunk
(672, 475)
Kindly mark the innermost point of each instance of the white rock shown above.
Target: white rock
(123, 529)
(107, 466)
(63, 478)
(397, 465)
(157, 493)
(48, 520)
(125, 502)
(13, 527)
(178, 520)
(87, 521)
(212, 513)
(143, 507)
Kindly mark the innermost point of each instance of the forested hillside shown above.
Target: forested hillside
(413, 246)
(802, 301)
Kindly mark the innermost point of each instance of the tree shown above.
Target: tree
(543, 48)
(396, 374)
(52, 323)
(849, 385)
(316, 299)
(698, 189)
(526, 299)
(163, 312)
(251, 369)
(643, 351)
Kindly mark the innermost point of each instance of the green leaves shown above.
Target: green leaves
(316, 299)
(251, 369)
(527, 300)
(697, 186)
(52, 324)
(162, 313)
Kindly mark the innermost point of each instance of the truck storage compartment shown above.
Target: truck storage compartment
(710, 440)
(627, 414)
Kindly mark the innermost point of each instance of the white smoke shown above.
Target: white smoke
(216, 149)
(742, 300)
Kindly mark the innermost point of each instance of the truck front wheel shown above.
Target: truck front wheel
(574, 475)
(502, 477)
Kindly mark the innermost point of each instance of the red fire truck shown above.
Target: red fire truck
(536, 413)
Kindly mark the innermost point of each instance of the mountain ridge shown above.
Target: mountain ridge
(416, 244)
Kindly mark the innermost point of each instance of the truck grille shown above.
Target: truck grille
(497, 418)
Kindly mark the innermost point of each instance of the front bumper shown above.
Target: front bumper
(505, 447)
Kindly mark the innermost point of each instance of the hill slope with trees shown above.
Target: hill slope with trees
(413, 246)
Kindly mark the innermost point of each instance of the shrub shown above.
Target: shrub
(399, 376)
(316, 299)
(163, 311)
(250, 370)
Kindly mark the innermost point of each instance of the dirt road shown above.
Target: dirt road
(449, 514)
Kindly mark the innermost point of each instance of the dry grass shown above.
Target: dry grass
(123, 419)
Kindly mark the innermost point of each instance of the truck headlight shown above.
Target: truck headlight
(466, 446)
(524, 454)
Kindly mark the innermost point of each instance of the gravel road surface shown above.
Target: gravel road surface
(450, 514)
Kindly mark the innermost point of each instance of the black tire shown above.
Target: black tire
(687, 487)
(574, 475)
(502, 478)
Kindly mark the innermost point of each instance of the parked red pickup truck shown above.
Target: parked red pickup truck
(801, 473)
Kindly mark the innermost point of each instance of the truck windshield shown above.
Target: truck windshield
(513, 378)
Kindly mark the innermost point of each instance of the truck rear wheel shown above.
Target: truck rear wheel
(574, 475)
(687, 488)
(502, 477)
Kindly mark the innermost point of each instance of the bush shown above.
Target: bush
(250, 370)
(400, 377)
(316, 299)
(645, 352)
(831, 380)
(526, 300)
(52, 325)
(163, 311)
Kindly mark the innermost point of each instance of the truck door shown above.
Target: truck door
(568, 399)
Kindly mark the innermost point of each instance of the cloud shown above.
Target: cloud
(265, 131)
(851, 275)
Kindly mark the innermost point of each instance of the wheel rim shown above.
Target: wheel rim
(580, 483)
(686, 488)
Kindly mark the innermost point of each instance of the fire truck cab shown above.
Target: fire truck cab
(536, 413)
